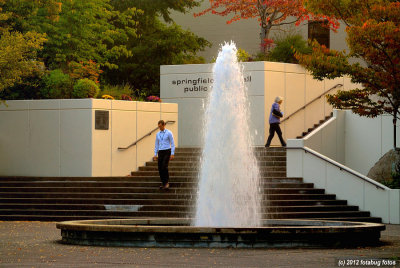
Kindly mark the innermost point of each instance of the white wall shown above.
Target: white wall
(58, 137)
(268, 80)
(354, 141)
(348, 146)
(345, 183)
(370, 138)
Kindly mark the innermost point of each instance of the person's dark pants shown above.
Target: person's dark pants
(274, 127)
(163, 160)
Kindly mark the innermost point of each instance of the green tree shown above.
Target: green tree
(79, 30)
(156, 44)
(373, 36)
(17, 52)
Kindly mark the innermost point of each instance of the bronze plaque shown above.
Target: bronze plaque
(101, 120)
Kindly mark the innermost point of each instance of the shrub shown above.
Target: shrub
(57, 85)
(126, 97)
(286, 47)
(153, 99)
(395, 183)
(242, 55)
(85, 88)
(117, 91)
(107, 97)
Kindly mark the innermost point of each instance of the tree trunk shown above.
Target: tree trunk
(394, 129)
(264, 34)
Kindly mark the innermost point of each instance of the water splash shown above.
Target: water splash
(228, 193)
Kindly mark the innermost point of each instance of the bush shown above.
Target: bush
(85, 88)
(29, 88)
(153, 98)
(285, 49)
(57, 85)
(395, 182)
(117, 91)
(242, 55)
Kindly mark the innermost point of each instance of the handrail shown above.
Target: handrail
(304, 106)
(341, 167)
(148, 134)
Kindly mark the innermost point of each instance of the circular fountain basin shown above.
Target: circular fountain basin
(169, 232)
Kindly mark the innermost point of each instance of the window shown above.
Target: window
(317, 31)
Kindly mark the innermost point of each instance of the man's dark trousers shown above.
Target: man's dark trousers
(274, 127)
(163, 160)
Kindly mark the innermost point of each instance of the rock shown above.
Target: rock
(382, 170)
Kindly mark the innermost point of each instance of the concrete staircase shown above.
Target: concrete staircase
(138, 195)
(305, 133)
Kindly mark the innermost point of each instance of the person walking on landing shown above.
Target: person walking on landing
(274, 121)
(165, 149)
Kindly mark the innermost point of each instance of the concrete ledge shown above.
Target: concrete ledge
(177, 233)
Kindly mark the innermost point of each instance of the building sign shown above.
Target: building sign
(193, 85)
(101, 120)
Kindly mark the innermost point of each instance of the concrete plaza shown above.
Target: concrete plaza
(37, 244)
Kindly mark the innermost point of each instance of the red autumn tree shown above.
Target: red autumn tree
(373, 36)
(270, 13)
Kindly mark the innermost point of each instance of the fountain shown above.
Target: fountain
(228, 201)
(228, 192)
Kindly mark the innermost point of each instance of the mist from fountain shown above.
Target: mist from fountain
(228, 188)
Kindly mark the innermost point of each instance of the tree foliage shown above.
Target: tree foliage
(107, 41)
(373, 36)
(270, 13)
(157, 44)
(17, 52)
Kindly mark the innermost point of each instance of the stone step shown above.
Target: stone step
(148, 183)
(176, 214)
(187, 208)
(138, 196)
(257, 154)
(164, 202)
(353, 219)
(174, 163)
(160, 195)
(173, 173)
(70, 218)
(257, 148)
(196, 169)
(66, 179)
(301, 196)
(139, 179)
(178, 190)
(196, 158)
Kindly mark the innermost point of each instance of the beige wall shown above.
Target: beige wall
(268, 80)
(58, 137)
(245, 33)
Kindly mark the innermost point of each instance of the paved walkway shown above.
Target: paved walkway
(36, 244)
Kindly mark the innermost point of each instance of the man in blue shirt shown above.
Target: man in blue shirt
(165, 148)
(274, 121)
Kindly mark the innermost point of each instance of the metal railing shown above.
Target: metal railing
(317, 98)
(148, 134)
(341, 167)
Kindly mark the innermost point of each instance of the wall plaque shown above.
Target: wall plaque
(101, 119)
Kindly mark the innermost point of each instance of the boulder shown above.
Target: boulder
(382, 170)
